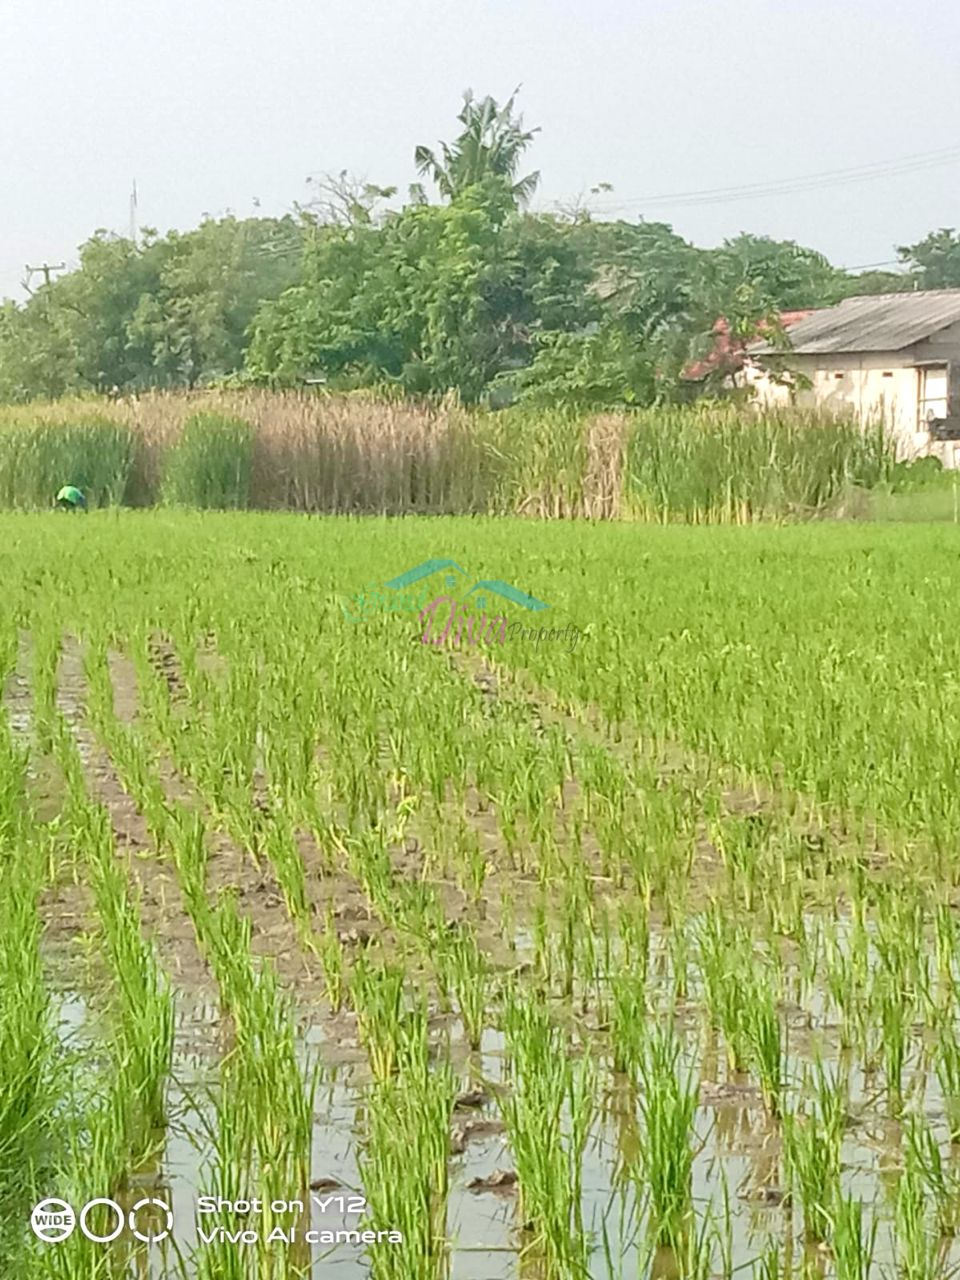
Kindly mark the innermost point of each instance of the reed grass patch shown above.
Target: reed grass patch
(359, 454)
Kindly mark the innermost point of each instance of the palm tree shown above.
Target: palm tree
(489, 145)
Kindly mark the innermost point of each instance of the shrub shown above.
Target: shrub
(210, 464)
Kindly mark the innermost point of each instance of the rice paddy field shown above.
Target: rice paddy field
(629, 950)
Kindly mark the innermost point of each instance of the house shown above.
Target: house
(893, 357)
(728, 353)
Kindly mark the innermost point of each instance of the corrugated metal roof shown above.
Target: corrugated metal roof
(881, 322)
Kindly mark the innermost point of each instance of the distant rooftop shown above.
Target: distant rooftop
(879, 322)
(727, 354)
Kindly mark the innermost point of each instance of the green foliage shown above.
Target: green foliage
(485, 153)
(709, 464)
(922, 473)
(869, 282)
(438, 298)
(599, 369)
(934, 260)
(36, 460)
(163, 312)
(774, 275)
(37, 359)
(212, 281)
(210, 465)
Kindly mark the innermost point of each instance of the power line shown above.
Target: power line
(788, 186)
(868, 266)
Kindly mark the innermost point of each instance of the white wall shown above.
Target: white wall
(874, 384)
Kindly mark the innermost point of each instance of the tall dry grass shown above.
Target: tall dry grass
(356, 454)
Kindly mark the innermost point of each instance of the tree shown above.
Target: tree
(163, 312)
(475, 294)
(781, 275)
(95, 305)
(439, 297)
(596, 368)
(640, 308)
(934, 260)
(489, 146)
(212, 280)
(344, 200)
(37, 358)
(869, 282)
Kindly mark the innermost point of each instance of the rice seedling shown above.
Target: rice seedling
(281, 849)
(628, 1020)
(31, 1068)
(377, 995)
(145, 1000)
(812, 1141)
(404, 1165)
(769, 1265)
(946, 943)
(947, 1063)
(917, 1247)
(679, 957)
(940, 1179)
(668, 1106)
(694, 1253)
(763, 1033)
(230, 1143)
(468, 975)
(845, 983)
(332, 959)
(543, 1083)
(46, 657)
(725, 954)
(853, 1241)
(894, 1013)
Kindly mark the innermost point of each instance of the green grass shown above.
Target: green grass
(37, 459)
(210, 464)
(626, 889)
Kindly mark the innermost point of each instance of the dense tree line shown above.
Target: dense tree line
(472, 293)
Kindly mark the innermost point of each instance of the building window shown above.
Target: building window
(933, 395)
(888, 375)
(839, 375)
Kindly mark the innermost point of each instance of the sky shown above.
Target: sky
(214, 107)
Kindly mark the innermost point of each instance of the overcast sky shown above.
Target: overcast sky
(212, 104)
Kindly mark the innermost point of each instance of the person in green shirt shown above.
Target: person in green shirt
(71, 499)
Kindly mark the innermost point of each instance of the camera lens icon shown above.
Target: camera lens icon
(52, 1220)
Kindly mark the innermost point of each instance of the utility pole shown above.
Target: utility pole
(45, 268)
(133, 213)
